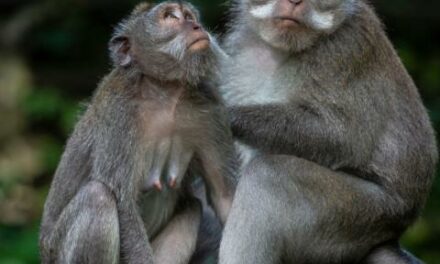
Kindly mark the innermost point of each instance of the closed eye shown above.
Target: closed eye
(169, 15)
(189, 17)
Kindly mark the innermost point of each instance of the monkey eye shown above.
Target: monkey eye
(169, 14)
(189, 17)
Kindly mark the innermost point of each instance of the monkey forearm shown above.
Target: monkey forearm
(135, 247)
(292, 130)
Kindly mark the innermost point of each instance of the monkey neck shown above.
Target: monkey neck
(140, 85)
(168, 90)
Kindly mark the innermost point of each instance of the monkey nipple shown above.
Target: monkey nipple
(173, 182)
(158, 185)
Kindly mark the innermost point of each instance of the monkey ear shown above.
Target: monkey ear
(120, 51)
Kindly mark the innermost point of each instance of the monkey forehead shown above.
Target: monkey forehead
(175, 5)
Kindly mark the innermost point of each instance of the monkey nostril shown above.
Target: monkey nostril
(295, 2)
(196, 26)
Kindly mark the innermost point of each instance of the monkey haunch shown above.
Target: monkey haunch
(151, 108)
(339, 152)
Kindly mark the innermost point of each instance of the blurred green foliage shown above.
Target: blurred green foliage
(52, 55)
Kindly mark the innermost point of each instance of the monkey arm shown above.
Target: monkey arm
(296, 129)
(73, 169)
(135, 246)
(116, 154)
(219, 164)
(134, 242)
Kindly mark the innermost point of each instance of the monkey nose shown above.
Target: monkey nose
(196, 26)
(192, 25)
(295, 2)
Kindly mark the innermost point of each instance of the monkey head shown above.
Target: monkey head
(295, 25)
(165, 41)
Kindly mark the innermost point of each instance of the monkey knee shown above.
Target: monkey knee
(97, 196)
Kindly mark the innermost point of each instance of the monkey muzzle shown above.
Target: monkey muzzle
(198, 40)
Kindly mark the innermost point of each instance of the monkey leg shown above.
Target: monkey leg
(88, 229)
(177, 242)
(291, 210)
(251, 233)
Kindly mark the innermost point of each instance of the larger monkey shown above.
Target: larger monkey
(152, 107)
(338, 149)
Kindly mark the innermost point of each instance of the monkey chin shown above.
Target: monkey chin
(199, 45)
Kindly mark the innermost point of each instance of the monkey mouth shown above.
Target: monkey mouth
(199, 43)
(197, 40)
(287, 21)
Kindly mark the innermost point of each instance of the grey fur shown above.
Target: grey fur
(101, 207)
(340, 153)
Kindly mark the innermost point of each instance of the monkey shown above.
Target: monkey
(123, 190)
(337, 150)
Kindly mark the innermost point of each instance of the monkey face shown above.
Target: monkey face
(165, 39)
(296, 24)
(177, 30)
(181, 20)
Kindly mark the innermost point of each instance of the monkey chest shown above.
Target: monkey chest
(257, 81)
(259, 77)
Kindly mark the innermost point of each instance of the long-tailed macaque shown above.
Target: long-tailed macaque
(109, 201)
(338, 151)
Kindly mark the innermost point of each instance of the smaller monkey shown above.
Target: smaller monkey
(154, 112)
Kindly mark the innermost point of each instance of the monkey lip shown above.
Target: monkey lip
(199, 43)
(197, 40)
(287, 21)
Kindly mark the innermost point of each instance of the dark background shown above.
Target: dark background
(52, 55)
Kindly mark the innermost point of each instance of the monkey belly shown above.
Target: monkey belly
(157, 209)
